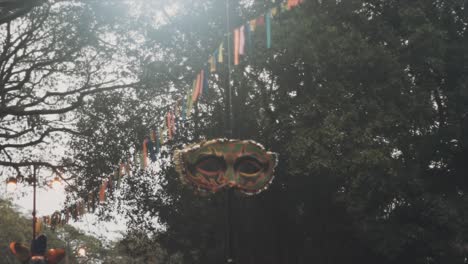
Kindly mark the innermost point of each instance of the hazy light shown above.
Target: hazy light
(81, 252)
(11, 185)
(56, 183)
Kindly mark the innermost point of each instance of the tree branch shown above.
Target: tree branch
(40, 139)
(20, 110)
(15, 135)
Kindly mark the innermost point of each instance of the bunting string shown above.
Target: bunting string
(180, 111)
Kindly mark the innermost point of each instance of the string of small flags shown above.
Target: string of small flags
(180, 111)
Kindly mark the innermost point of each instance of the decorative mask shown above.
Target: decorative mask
(215, 164)
(37, 254)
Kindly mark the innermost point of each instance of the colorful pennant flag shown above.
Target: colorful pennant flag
(260, 21)
(195, 89)
(173, 123)
(121, 169)
(253, 25)
(102, 192)
(236, 46)
(221, 52)
(212, 62)
(144, 154)
(202, 81)
(161, 136)
(242, 36)
(293, 3)
(241, 40)
(274, 11)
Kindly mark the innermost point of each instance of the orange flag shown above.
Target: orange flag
(200, 85)
(196, 91)
(144, 157)
(292, 3)
(236, 46)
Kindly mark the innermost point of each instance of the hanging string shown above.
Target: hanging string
(228, 244)
(228, 30)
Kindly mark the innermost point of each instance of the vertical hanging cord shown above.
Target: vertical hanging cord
(34, 203)
(228, 29)
(228, 243)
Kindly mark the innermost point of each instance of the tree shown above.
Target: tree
(364, 100)
(12, 9)
(15, 227)
(51, 61)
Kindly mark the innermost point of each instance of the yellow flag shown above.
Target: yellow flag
(220, 52)
(212, 64)
(161, 136)
(253, 25)
(274, 11)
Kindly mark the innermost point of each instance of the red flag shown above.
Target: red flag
(198, 88)
(260, 21)
(102, 192)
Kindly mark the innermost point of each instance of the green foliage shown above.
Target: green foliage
(365, 101)
(15, 227)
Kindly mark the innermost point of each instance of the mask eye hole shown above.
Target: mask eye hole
(248, 166)
(210, 165)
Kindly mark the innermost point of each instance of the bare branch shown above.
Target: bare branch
(40, 139)
(20, 110)
(12, 9)
(16, 135)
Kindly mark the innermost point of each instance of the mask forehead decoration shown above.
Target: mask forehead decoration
(226, 163)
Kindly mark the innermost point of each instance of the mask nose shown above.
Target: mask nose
(231, 176)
